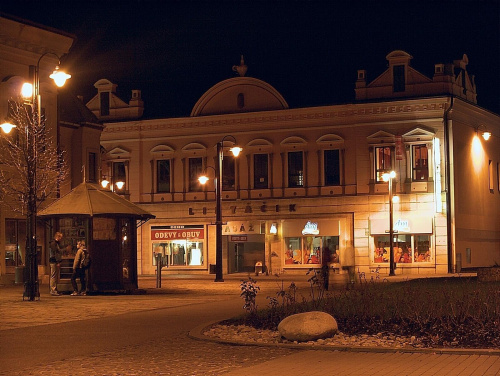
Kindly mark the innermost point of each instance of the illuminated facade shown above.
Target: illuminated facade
(311, 178)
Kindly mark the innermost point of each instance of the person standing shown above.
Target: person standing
(80, 265)
(55, 257)
(325, 260)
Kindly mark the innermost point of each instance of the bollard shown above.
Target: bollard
(158, 270)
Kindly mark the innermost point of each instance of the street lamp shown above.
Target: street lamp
(59, 77)
(387, 177)
(218, 206)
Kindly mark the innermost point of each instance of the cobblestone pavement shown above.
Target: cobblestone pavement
(171, 351)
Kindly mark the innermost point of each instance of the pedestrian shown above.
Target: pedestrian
(55, 257)
(80, 266)
(325, 260)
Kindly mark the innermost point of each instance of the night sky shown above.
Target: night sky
(309, 51)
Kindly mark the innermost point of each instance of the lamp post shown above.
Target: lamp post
(388, 177)
(218, 205)
(59, 77)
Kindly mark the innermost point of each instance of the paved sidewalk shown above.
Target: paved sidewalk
(183, 290)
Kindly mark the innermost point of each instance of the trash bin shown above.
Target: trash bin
(258, 268)
(19, 275)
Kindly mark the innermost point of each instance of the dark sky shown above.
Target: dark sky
(309, 51)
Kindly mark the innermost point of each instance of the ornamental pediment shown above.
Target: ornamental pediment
(381, 137)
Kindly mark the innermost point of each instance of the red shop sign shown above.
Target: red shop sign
(175, 234)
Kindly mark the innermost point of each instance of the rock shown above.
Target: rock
(308, 326)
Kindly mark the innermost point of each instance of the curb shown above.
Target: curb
(197, 334)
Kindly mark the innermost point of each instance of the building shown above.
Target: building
(25, 45)
(311, 178)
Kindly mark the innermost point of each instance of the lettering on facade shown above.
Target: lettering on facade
(311, 228)
(177, 232)
(402, 225)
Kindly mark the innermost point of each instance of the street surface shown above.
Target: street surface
(149, 335)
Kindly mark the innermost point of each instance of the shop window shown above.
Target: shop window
(163, 176)
(307, 250)
(120, 175)
(383, 161)
(295, 169)
(408, 249)
(15, 241)
(398, 72)
(260, 171)
(420, 163)
(182, 252)
(332, 167)
(228, 173)
(422, 248)
(195, 171)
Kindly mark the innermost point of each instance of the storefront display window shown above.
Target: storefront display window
(179, 245)
(311, 250)
(407, 249)
(15, 240)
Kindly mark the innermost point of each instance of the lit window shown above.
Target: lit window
(420, 163)
(295, 169)
(120, 174)
(383, 161)
(490, 176)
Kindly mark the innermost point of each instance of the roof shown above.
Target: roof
(89, 199)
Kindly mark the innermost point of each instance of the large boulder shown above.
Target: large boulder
(308, 326)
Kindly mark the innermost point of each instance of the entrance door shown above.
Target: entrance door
(243, 256)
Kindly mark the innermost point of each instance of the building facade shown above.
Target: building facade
(309, 181)
(68, 121)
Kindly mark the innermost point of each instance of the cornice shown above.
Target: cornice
(359, 111)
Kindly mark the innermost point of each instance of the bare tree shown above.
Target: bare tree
(29, 144)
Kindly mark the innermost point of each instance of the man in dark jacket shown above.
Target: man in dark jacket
(55, 257)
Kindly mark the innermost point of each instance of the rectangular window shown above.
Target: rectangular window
(491, 177)
(178, 245)
(295, 169)
(398, 78)
(92, 167)
(104, 99)
(306, 250)
(228, 173)
(195, 171)
(332, 167)
(119, 175)
(260, 171)
(420, 163)
(383, 161)
(163, 176)
(404, 251)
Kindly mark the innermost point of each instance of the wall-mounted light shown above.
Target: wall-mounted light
(104, 183)
(273, 229)
(485, 133)
(120, 184)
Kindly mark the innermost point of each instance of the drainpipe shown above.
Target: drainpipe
(447, 156)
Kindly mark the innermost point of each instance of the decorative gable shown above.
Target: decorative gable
(162, 150)
(118, 153)
(381, 137)
(419, 134)
(330, 140)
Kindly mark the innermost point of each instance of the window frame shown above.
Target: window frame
(158, 176)
(193, 183)
(325, 167)
(414, 168)
(299, 175)
(378, 172)
(257, 163)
